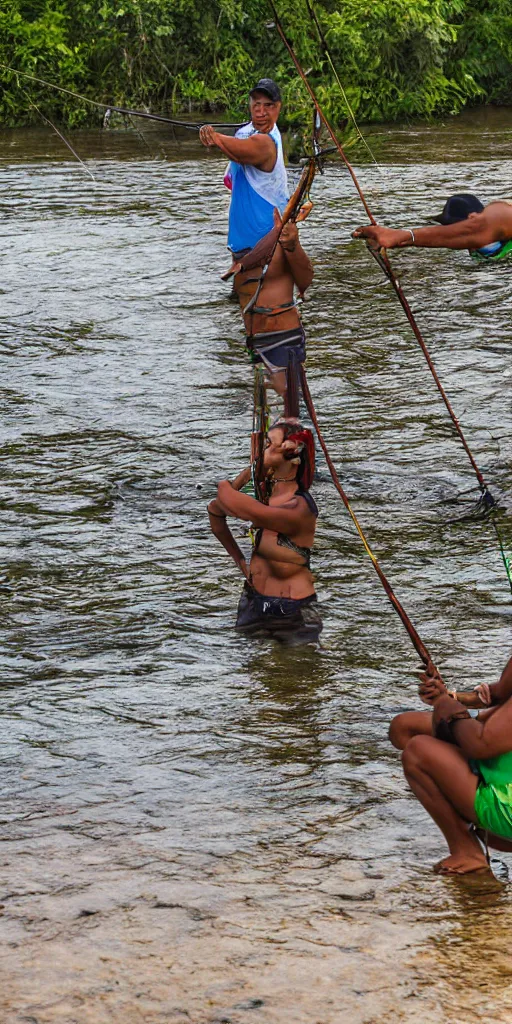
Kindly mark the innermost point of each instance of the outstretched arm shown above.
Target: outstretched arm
(478, 230)
(259, 150)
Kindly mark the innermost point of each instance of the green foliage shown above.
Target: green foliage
(484, 48)
(395, 58)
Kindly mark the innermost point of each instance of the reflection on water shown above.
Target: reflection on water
(199, 826)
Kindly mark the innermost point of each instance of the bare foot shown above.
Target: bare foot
(461, 864)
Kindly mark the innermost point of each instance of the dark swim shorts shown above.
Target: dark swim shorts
(292, 621)
(273, 349)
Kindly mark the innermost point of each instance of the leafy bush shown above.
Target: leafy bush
(395, 58)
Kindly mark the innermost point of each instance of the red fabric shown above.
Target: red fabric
(307, 467)
(303, 437)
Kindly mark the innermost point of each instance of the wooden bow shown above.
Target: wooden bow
(262, 253)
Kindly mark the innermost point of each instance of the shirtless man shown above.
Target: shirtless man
(464, 224)
(274, 332)
(279, 594)
(460, 768)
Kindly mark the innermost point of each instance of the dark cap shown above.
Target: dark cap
(269, 86)
(458, 208)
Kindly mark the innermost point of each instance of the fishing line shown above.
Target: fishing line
(381, 257)
(320, 112)
(327, 52)
(413, 634)
(189, 125)
(142, 137)
(59, 133)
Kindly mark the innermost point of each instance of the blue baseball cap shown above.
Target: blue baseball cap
(458, 208)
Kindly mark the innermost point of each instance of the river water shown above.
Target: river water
(199, 827)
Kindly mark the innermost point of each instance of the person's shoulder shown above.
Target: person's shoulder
(497, 217)
(290, 503)
(499, 208)
(275, 135)
(294, 504)
(309, 501)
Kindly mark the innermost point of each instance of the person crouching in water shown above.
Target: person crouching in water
(279, 595)
(460, 768)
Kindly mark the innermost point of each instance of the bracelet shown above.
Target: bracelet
(217, 515)
(411, 232)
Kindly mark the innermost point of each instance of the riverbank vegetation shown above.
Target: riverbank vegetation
(396, 58)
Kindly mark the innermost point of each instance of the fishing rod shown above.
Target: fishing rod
(189, 125)
(320, 112)
(413, 634)
(381, 258)
(260, 424)
(261, 254)
(488, 501)
(327, 52)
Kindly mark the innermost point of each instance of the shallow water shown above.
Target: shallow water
(199, 827)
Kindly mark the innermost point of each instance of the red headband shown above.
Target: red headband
(306, 471)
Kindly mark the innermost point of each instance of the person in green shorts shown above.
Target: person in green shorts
(459, 767)
(464, 223)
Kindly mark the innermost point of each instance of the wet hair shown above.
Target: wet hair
(305, 450)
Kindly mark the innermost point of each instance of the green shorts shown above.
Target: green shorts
(493, 811)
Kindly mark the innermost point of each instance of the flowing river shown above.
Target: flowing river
(198, 827)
